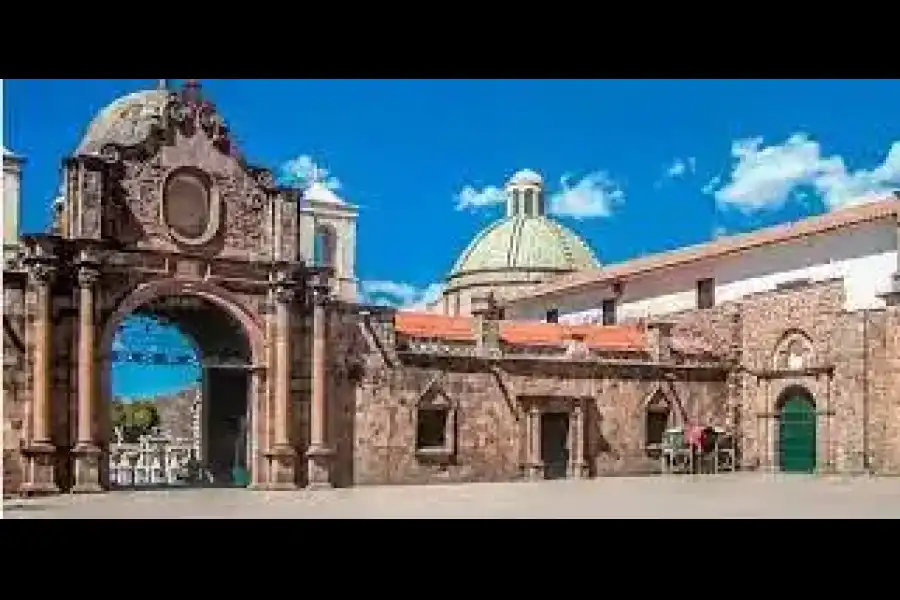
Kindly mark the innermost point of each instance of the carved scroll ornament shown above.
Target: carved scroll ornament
(41, 274)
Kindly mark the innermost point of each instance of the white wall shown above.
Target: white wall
(864, 256)
(11, 201)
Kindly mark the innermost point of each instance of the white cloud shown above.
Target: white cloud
(681, 167)
(473, 199)
(710, 187)
(400, 295)
(592, 196)
(298, 172)
(767, 176)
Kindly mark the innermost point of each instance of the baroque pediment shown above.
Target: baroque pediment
(165, 175)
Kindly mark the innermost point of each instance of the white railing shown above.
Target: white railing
(154, 460)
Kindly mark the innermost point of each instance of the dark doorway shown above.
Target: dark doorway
(227, 424)
(555, 444)
(797, 432)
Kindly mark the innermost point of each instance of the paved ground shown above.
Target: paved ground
(730, 496)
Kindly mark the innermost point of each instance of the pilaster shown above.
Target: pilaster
(534, 466)
(87, 451)
(40, 451)
(319, 454)
(577, 466)
(282, 455)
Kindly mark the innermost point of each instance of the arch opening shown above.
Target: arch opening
(325, 246)
(797, 449)
(178, 383)
(793, 352)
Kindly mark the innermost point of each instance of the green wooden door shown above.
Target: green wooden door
(797, 435)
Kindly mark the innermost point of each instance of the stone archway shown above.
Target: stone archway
(231, 419)
(141, 222)
(796, 441)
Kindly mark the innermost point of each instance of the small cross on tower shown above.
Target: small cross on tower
(314, 175)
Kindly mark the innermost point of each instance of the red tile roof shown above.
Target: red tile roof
(434, 326)
(523, 333)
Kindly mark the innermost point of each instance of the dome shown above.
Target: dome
(319, 192)
(126, 122)
(526, 177)
(525, 243)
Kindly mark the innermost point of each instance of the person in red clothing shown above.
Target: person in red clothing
(694, 437)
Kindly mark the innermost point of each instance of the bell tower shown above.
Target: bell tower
(327, 234)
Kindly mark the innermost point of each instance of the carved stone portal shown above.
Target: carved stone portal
(159, 209)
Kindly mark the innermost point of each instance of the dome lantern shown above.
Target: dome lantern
(525, 195)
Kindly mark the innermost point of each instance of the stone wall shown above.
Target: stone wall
(886, 411)
(851, 374)
(375, 389)
(15, 384)
(488, 399)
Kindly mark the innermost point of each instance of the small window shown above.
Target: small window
(609, 312)
(706, 293)
(656, 422)
(431, 429)
(553, 315)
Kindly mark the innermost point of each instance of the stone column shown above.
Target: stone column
(535, 466)
(319, 454)
(577, 429)
(40, 475)
(282, 455)
(87, 451)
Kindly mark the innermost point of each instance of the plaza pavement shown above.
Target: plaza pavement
(725, 496)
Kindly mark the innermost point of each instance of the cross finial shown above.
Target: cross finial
(314, 174)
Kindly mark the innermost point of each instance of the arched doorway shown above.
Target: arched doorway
(797, 445)
(200, 436)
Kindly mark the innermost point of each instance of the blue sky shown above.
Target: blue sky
(634, 166)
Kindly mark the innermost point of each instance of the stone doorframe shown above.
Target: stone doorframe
(530, 437)
(223, 300)
(817, 382)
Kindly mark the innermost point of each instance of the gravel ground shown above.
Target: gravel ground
(727, 496)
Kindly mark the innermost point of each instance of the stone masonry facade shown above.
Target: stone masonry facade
(717, 366)
(721, 368)
(339, 394)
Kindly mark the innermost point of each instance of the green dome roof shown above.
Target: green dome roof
(535, 243)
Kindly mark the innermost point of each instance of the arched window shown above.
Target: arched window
(325, 249)
(794, 352)
(528, 209)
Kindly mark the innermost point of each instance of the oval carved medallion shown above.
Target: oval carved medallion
(190, 208)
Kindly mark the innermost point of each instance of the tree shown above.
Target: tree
(135, 419)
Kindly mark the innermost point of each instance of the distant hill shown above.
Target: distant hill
(174, 410)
